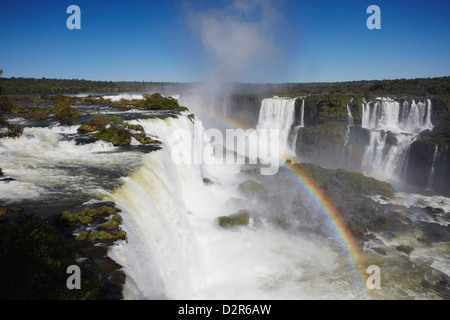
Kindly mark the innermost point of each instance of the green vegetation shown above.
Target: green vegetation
(63, 111)
(157, 102)
(398, 87)
(241, 218)
(95, 123)
(115, 130)
(101, 228)
(33, 261)
(347, 191)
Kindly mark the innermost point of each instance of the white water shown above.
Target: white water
(405, 122)
(176, 250)
(347, 135)
(388, 115)
(43, 164)
(279, 114)
(431, 178)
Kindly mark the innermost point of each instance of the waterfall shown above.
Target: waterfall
(432, 170)
(347, 133)
(279, 113)
(393, 128)
(389, 115)
(293, 137)
(176, 250)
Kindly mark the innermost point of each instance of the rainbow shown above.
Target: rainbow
(327, 207)
(309, 184)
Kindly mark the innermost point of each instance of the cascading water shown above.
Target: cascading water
(432, 170)
(393, 128)
(176, 250)
(279, 113)
(293, 137)
(347, 134)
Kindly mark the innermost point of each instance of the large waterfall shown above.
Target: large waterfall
(176, 250)
(393, 128)
(279, 113)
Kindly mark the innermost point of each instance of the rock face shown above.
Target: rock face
(252, 189)
(240, 218)
(95, 229)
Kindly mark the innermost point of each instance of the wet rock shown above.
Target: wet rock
(2, 212)
(241, 218)
(15, 209)
(207, 181)
(435, 210)
(111, 225)
(405, 249)
(379, 224)
(84, 139)
(379, 251)
(252, 189)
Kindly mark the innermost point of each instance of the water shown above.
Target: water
(171, 208)
(279, 114)
(175, 248)
(393, 128)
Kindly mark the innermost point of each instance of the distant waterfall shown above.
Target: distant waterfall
(279, 113)
(294, 135)
(347, 134)
(394, 127)
(432, 171)
(389, 115)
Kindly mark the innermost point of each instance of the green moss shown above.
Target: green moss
(82, 236)
(135, 127)
(117, 217)
(68, 216)
(105, 210)
(110, 225)
(241, 218)
(121, 235)
(86, 220)
(96, 235)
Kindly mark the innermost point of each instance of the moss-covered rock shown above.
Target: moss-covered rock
(241, 218)
(99, 236)
(111, 225)
(252, 189)
(82, 236)
(106, 211)
(86, 219)
(68, 217)
(117, 217)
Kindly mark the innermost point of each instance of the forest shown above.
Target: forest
(420, 87)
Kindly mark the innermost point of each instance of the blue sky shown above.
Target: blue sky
(241, 40)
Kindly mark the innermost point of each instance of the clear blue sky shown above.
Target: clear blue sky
(242, 40)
